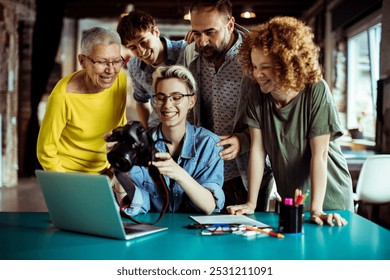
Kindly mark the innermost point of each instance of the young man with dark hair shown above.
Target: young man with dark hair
(140, 34)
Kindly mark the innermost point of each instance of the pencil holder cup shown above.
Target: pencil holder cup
(291, 218)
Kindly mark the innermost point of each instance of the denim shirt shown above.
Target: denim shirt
(199, 157)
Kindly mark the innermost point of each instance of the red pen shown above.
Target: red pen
(270, 233)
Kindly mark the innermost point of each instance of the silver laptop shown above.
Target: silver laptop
(85, 203)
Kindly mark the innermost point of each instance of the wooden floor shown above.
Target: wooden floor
(25, 197)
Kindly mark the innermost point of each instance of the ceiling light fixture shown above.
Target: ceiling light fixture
(248, 13)
(187, 16)
(129, 8)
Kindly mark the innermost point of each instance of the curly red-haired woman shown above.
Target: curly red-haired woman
(293, 118)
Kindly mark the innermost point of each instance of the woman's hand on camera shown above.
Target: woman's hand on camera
(166, 165)
(106, 138)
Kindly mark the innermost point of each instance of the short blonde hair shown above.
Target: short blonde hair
(175, 71)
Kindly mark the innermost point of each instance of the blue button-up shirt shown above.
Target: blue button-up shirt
(199, 157)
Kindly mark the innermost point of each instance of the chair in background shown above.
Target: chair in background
(373, 185)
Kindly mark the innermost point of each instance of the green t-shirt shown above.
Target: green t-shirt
(286, 135)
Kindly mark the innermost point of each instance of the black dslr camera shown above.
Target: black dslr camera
(135, 146)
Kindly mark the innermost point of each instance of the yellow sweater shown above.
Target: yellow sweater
(71, 135)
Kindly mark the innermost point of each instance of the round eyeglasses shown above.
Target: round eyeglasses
(101, 65)
(176, 98)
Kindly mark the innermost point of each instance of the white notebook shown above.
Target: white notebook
(228, 220)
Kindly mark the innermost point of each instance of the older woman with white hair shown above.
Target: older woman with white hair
(83, 106)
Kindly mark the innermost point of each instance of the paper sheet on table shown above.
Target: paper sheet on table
(229, 219)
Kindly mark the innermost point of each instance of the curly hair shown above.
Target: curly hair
(291, 45)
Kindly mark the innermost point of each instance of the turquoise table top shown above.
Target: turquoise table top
(27, 236)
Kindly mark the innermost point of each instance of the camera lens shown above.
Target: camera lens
(134, 147)
(121, 157)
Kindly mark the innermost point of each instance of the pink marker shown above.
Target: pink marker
(288, 201)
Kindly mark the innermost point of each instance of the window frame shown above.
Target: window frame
(364, 25)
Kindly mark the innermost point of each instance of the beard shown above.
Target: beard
(213, 53)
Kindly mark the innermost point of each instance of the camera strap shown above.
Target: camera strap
(126, 182)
